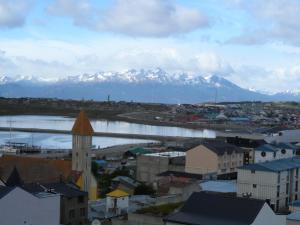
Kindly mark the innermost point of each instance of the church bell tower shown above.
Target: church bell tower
(82, 133)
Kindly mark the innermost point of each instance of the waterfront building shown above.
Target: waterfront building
(276, 181)
(214, 157)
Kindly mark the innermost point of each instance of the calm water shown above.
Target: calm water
(66, 123)
(61, 141)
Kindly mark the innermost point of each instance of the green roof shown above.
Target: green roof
(139, 151)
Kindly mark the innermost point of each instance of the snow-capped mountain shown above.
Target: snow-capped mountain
(154, 85)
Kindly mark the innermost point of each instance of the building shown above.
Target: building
(214, 157)
(37, 170)
(18, 206)
(73, 201)
(149, 165)
(117, 202)
(82, 134)
(124, 183)
(211, 209)
(269, 152)
(275, 181)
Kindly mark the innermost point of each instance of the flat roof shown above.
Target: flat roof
(167, 154)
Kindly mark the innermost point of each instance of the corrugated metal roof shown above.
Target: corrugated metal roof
(275, 166)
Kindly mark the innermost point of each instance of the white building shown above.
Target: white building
(20, 207)
(275, 181)
(117, 202)
(274, 151)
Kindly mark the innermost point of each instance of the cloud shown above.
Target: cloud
(274, 21)
(13, 13)
(151, 18)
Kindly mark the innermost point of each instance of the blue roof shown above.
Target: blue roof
(275, 166)
(294, 216)
(266, 148)
(295, 203)
(285, 145)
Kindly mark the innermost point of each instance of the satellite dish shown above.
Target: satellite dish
(96, 222)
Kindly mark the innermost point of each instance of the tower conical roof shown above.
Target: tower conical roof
(82, 125)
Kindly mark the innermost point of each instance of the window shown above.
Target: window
(252, 171)
(287, 188)
(80, 199)
(82, 212)
(297, 172)
(278, 191)
(296, 197)
(283, 151)
(274, 154)
(296, 186)
(254, 185)
(72, 213)
(278, 177)
(263, 154)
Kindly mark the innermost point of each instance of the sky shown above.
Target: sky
(253, 43)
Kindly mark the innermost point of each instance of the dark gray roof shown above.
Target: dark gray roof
(275, 166)
(210, 209)
(181, 174)
(220, 147)
(65, 189)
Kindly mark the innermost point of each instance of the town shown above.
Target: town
(183, 180)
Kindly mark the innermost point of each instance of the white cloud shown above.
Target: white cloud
(151, 18)
(275, 21)
(13, 13)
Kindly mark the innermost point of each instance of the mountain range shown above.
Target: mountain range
(154, 85)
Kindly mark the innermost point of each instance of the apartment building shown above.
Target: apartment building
(150, 165)
(269, 152)
(214, 157)
(276, 181)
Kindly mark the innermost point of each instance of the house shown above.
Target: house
(211, 209)
(214, 157)
(149, 165)
(269, 152)
(73, 201)
(117, 202)
(124, 183)
(220, 186)
(275, 181)
(18, 206)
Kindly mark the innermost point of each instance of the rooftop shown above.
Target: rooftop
(118, 193)
(82, 125)
(64, 189)
(220, 147)
(167, 154)
(31, 169)
(205, 208)
(275, 166)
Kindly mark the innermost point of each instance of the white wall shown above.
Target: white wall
(270, 155)
(267, 216)
(19, 206)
